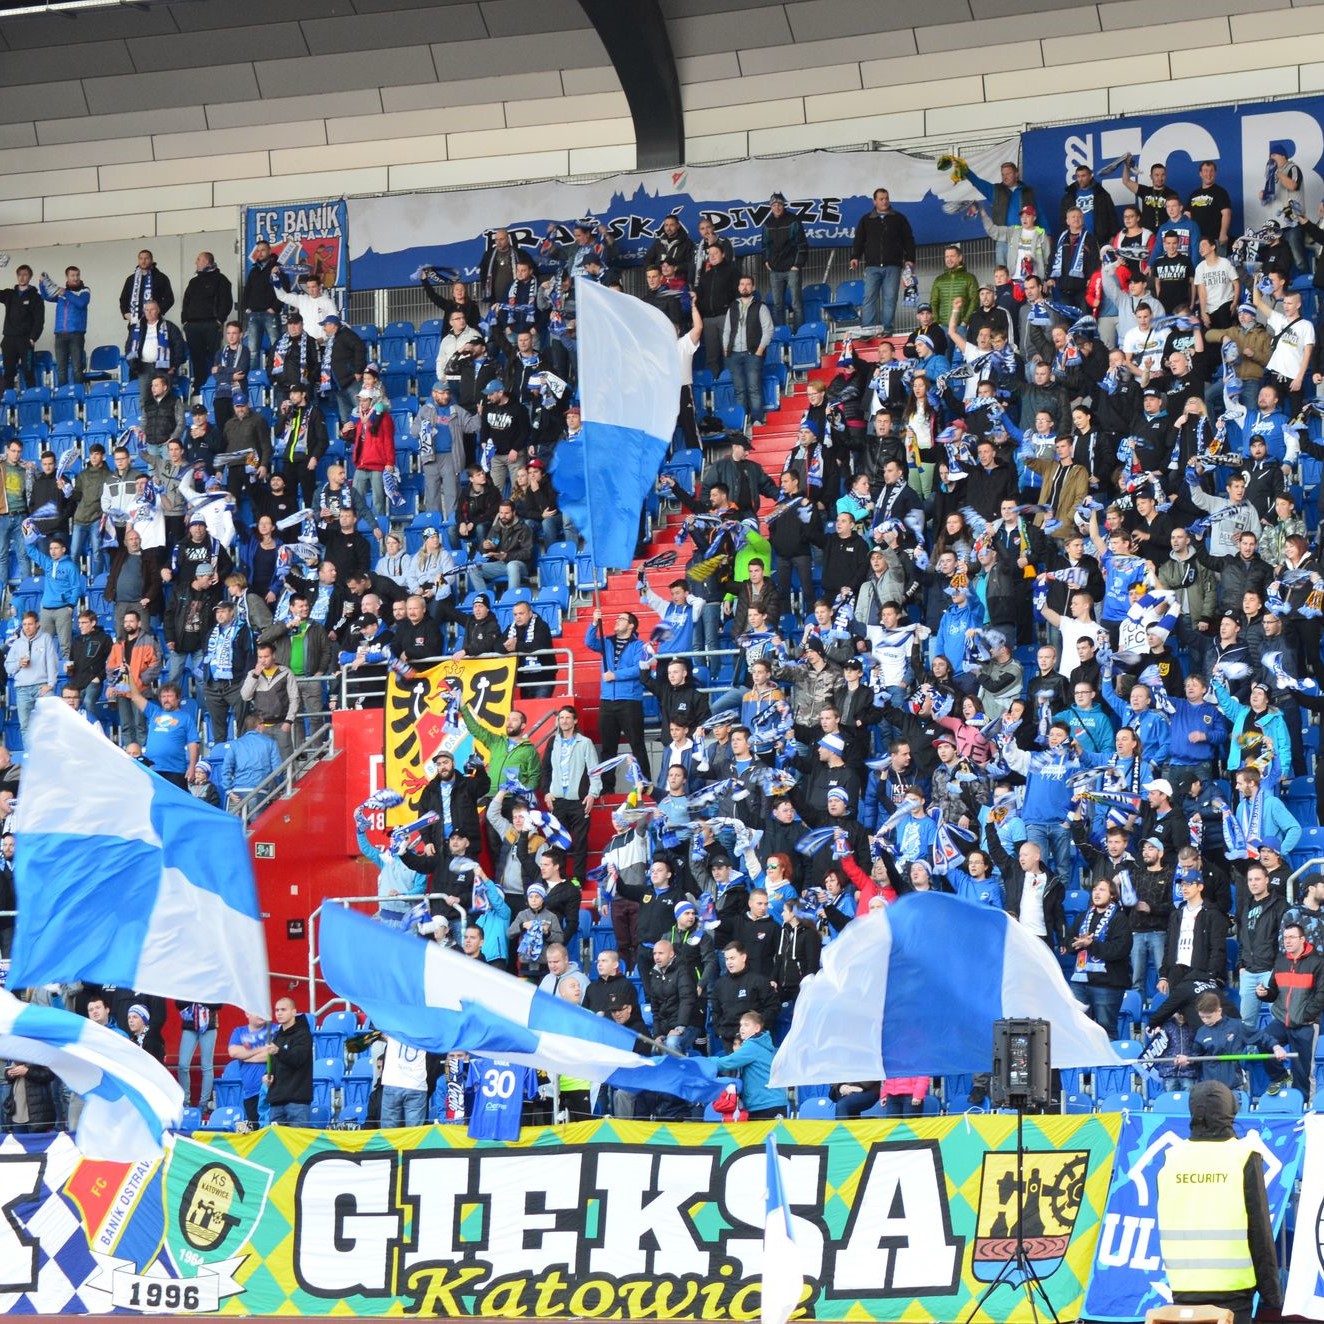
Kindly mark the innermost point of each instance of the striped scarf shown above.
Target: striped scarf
(1086, 964)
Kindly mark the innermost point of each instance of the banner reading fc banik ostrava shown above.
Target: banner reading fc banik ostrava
(1237, 138)
(391, 236)
(597, 1220)
(312, 234)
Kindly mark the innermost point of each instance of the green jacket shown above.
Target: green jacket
(947, 288)
(522, 757)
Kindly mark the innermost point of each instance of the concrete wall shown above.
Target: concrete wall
(158, 125)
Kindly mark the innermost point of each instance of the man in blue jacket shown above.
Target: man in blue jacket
(621, 712)
(752, 1062)
(71, 302)
(62, 585)
(249, 761)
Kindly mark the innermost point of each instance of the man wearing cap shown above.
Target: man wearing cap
(1195, 954)
(303, 441)
(505, 424)
(343, 359)
(1160, 819)
(744, 479)
(248, 430)
(441, 426)
(1021, 244)
(228, 655)
(785, 256)
(295, 357)
(1215, 1230)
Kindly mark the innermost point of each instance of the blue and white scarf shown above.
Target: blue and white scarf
(1087, 964)
(220, 652)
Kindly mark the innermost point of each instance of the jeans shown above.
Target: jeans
(347, 399)
(483, 573)
(708, 628)
(402, 1107)
(87, 538)
(205, 1043)
(291, 1114)
(178, 663)
(747, 379)
(371, 479)
(882, 285)
(69, 360)
(26, 699)
(784, 284)
(258, 326)
(1146, 949)
(1300, 1039)
(11, 540)
(1101, 1003)
(685, 1040)
(1248, 981)
(133, 724)
(1054, 842)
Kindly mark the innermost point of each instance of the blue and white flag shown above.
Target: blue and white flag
(123, 878)
(433, 998)
(129, 1098)
(783, 1262)
(629, 391)
(891, 1000)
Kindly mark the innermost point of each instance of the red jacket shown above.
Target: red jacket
(374, 441)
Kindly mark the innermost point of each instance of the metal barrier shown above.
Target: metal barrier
(562, 679)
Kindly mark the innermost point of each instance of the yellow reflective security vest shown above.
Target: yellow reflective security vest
(1204, 1230)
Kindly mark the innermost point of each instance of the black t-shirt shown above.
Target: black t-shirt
(1153, 205)
(1172, 280)
(1206, 207)
(1134, 250)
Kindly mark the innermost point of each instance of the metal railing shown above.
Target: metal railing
(373, 687)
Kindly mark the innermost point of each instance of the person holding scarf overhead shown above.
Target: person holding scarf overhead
(1103, 956)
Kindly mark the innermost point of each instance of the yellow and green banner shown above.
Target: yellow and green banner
(897, 1220)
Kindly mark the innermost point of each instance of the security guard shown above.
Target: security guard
(1215, 1231)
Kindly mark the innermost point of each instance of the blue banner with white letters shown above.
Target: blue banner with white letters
(1236, 138)
(1128, 1277)
(393, 235)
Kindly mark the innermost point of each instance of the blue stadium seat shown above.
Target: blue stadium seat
(844, 306)
(104, 358)
(806, 353)
(228, 1088)
(817, 1110)
(732, 416)
(192, 1120)
(1122, 1102)
(1290, 1103)
(1078, 1103)
(67, 404)
(1170, 1102)
(329, 1045)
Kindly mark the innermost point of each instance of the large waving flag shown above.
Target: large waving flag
(129, 1098)
(914, 990)
(433, 998)
(783, 1261)
(122, 878)
(629, 391)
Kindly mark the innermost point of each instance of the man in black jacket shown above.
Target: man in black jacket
(785, 256)
(290, 1068)
(674, 996)
(25, 316)
(349, 357)
(673, 244)
(845, 559)
(258, 304)
(208, 298)
(1257, 938)
(884, 245)
(1031, 894)
(714, 295)
(740, 991)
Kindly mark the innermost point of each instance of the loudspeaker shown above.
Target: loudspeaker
(1022, 1064)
